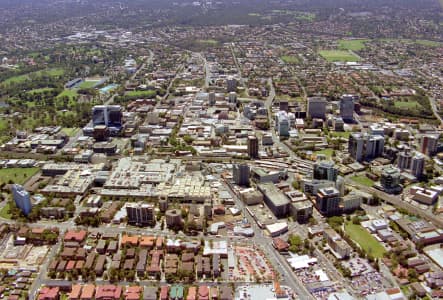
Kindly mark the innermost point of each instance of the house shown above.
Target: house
(100, 265)
(75, 236)
(108, 292)
(47, 293)
(75, 292)
(88, 292)
(164, 293)
(150, 293)
(133, 292)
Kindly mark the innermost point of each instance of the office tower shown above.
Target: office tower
(22, 198)
(347, 108)
(404, 160)
(356, 146)
(240, 174)
(363, 147)
(325, 170)
(231, 83)
(317, 108)
(140, 213)
(252, 146)
(417, 165)
(390, 179)
(328, 201)
(282, 123)
(211, 98)
(429, 144)
(232, 98)
(374, 146)
(108, 115)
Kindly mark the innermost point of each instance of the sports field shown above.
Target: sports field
(339, 56)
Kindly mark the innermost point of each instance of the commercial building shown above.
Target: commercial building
(301, 210)
(339, 247)
(240, 174)
(404, 160)
(173, 218)
(252, 146)
(347, 108)
(390, 180)
(231, 84)
(328, 201)
(364, 147)
(325, 170)
(277, 202)
(317, 108)
(108, 115)
(425, 196)
(282, 123)
(21, 198)
(417, 165)
(429, 143)
(140, 213)
(351, 201)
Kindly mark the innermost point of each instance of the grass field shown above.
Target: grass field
(4, 212)
(344, 134)
(147, 94)
(354, 45)
(3, 124)
(366, 241)
(407, 104)
(289, 59)
(41, 90)
(327, 152)
(87, 84)
(70, 131)
(17, 175)
(20, 78)
(338, 55)
(363, 180)
(70, 93)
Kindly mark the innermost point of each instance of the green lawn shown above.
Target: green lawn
(366, 241)
(4, 212)
(363, 180)
(17, 175)
(41, 90)
(70, 93)
(290, 59)
(141, 94)
(3, 124)
(343, 134)
(70, 131)
(327, 152)
(429, 43)
(87, 84)
(20, 78)
(354, 45)
(407, 104)
(338, 55)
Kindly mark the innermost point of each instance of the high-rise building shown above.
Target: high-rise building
(252, 146)
(429, 143)
(22, 198)
(325, 170)
(347, 108)
(404, 160)
(328, 201)
(417, 165)
(108, 115)
(317, 107)
(362, 146)
(232, 97)
(231, 83)
(374, 146)
(240, 174)
(140, 213)
(211, 98)
(282, 123)
(390, 180)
